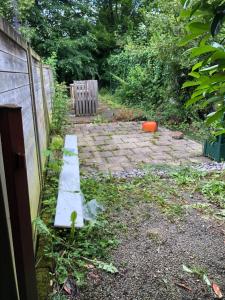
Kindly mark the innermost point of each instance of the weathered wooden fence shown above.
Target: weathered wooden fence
(84, 95)
(27, 83)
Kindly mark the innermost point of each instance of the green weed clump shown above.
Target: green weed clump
(60, 109)
(214, 189)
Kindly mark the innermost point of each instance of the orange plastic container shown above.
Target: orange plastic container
(150, 126)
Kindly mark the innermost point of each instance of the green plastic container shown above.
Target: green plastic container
(216, 149)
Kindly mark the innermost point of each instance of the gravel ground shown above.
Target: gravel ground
(161, 170)
(152, 252)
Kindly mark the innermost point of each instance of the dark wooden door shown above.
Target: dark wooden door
(16, 235)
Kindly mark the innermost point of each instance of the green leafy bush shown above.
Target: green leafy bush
(150, 70)
(205, 28)
(60, 108)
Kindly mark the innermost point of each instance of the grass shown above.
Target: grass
(106, 97)
(166, 193)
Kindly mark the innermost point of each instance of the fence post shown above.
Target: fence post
(11, 131)
(34, 113)
(8, 282)
(45, 105)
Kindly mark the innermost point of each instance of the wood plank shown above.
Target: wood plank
(67, 203)
(21, 97)
(70, 175)
(69, 197)
(86, 96)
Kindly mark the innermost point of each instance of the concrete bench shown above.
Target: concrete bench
(69, 195)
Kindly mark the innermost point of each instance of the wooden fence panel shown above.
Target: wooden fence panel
(49, 88)
(39, 102)
(20, 85)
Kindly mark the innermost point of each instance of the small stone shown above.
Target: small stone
(178, 135)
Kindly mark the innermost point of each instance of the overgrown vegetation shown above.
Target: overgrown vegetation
(69, 254)
(65, 256)
(72, 254)
(150, 70)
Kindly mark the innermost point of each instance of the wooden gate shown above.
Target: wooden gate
(84, 95)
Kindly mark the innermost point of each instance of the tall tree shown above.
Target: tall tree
(65, 27)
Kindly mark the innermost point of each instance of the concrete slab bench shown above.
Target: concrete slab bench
(69, 195)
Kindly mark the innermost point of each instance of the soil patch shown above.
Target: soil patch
(152, 252)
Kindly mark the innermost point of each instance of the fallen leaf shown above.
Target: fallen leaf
(206, 280)
(184, 286)
(70, 286)
(89, 266)
(186, 269)
(217, 290)
(67, 288)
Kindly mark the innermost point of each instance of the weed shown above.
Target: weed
(202, 207)
(186, 176)
(198, 271)
(106, 97)
(60, 109)
(174, 210)
(99, 120)
(66, 253)
(214, 188)
(73, 221)
(153, 234)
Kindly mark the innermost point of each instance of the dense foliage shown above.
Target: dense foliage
(133, 47)
(208, 78)
(151, 68)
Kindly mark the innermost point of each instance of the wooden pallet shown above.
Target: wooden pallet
(84, 96)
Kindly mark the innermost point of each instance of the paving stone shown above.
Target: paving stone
(122, 152)
(114, 168)
(101, 142)
(127, 146)
(117, 159)
(94, 161)
(84, 155)
(111, 147)
(103, 154)
(117, 140)
(140, 158)
(102, 138)
(162, 156)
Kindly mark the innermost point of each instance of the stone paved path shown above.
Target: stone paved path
(123, 146)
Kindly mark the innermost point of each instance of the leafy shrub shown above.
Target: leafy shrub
(146, 82)
(60, 108)
(142, 78)
(151, 68)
